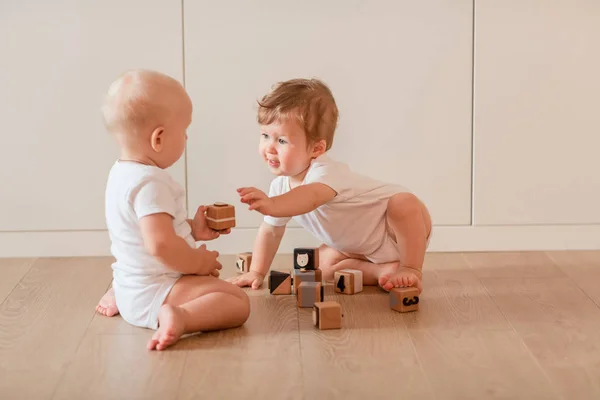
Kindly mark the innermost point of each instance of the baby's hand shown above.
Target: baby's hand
(252, 279)
(208, 263)
(200, 229)
(256, 199)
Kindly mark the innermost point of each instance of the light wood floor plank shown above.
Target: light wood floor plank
(260, 360)
(120, 367)
(370, 357)
(559, 324)
(480, 364)
(512, 264)
(583, 267)
(11, 272)
(454, 298)
(43, 321)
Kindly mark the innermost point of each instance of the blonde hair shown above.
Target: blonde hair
(310, 101)
(137, 100)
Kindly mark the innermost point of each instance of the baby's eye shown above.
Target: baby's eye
(281, 141)
(264, 135)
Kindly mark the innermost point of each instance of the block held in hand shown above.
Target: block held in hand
(220, 216)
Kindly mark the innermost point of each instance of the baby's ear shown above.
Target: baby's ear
(157, 138)
(319, 148)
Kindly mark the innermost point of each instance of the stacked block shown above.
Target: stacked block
(280, 283)
(243, 262)
(309, 293)
(306, 276)
(348, 281)
(404, 299)
(306, 258)
(327, 315)
(220, 216)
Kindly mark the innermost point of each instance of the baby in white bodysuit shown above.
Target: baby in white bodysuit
(379, 228)
(161, 280)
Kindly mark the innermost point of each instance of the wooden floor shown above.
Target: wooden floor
(491, 325)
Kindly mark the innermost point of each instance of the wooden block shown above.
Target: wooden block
(280, 283)
(309, 293)
(306, 258)
(220, 216)
(306, 276)
(348, 281)
(404, 299)
(327, 315)
(243, 261)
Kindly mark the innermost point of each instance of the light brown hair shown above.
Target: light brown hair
(309, 101)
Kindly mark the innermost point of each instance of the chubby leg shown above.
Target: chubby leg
(331, 260)
(199, 304)
(108, 305)
(409, 224)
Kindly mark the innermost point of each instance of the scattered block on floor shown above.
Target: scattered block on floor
(348, 281)
(404, 299)
(306, 258)
(280, 283)
(243, 261)
(306, 276)
(220, 216)
(327, 315)
(309, 293)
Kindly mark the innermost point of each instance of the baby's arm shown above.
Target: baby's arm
(162, 242)
(265, 247)
(298, 201)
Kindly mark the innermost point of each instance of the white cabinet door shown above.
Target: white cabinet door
(400, 72)
(537, 112)
(57, 61)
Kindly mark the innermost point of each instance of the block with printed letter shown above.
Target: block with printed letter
(243, 261)
(220, 216)
(404, 299)
(306, 258)
(280, 283)
(309, 293)
(306, 276)
(348, 281)
(327, 315)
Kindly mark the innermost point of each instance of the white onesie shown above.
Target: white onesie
(354, 221)
(141, 282)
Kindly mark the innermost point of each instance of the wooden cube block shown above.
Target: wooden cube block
(306, 258)
(220, 216)
(348, 281)
(404, 299)
(309, 293)
(306, 276)
(327, 315)
(280, 283)
(243, 261)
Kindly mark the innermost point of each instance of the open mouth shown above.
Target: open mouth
(273, 163)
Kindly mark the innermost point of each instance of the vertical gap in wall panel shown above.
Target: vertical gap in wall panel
(473, 115)
(185, 163)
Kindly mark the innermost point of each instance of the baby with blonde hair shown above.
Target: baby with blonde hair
(379, 228)
(161, 280)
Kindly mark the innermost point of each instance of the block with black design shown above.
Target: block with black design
(306, 276)
(243, 262)
(348, 281)
(404, 299)
(309, 293)
(306, 258)
(327, 315)
(280, 283)
(220, 216)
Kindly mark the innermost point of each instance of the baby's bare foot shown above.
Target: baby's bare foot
(170, 328)
(108, 304)
(402, 277)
